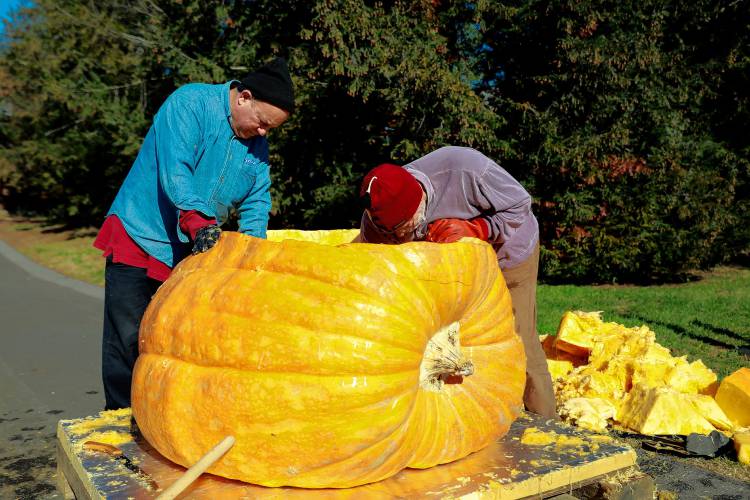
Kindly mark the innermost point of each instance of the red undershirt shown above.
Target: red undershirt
(114, 240)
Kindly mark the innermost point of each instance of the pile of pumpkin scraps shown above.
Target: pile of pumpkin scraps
(607, 374)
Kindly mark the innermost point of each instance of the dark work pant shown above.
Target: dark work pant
(127, 292)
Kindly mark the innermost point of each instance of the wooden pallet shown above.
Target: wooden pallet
(506, 469)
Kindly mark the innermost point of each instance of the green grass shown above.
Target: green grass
(708, 319)
(75, 258)
(69, 252)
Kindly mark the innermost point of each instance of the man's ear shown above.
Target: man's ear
(245, 94)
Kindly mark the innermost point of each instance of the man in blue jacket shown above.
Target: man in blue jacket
(205, 154)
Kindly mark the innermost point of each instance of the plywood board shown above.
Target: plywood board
(506, 469)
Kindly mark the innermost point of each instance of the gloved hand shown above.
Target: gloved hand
(205, 238)
(450, 230)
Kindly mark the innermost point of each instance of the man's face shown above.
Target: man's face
(251, 117)
(406, 231)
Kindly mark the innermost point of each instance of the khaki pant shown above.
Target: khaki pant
(538, 396)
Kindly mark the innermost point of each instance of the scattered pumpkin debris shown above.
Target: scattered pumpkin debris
(113, 438)
(535, 437)
(606, 374)
(103, 419)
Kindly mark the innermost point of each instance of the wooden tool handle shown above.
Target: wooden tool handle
(197, 469)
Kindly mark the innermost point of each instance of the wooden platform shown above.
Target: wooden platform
(506, 469)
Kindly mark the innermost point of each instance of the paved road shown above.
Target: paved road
(50, 331)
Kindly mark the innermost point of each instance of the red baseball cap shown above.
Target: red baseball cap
(394, 195)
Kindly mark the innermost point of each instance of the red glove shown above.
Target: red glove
(192, 220)
(450, 230)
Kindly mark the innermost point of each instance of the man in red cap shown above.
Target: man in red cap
(456, 192)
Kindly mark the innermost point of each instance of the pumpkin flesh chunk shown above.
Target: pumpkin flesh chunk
(742, 446)
(311, 356)
(733, 397)
(662, 410)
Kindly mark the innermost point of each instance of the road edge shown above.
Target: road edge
(49, 275)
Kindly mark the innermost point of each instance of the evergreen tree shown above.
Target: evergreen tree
(606, 107)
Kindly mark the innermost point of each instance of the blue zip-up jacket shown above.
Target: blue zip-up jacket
(191, 160)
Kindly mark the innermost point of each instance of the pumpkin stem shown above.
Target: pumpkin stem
(443, 360)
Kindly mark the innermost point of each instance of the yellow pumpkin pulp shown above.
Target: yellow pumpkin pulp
(333, 366)
(733, 397)
(608, 372)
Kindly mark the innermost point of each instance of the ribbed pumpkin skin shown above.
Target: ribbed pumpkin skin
(310, 356)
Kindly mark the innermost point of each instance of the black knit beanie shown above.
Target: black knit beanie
(271, 83)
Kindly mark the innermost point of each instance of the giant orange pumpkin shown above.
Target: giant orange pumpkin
(333, 366)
